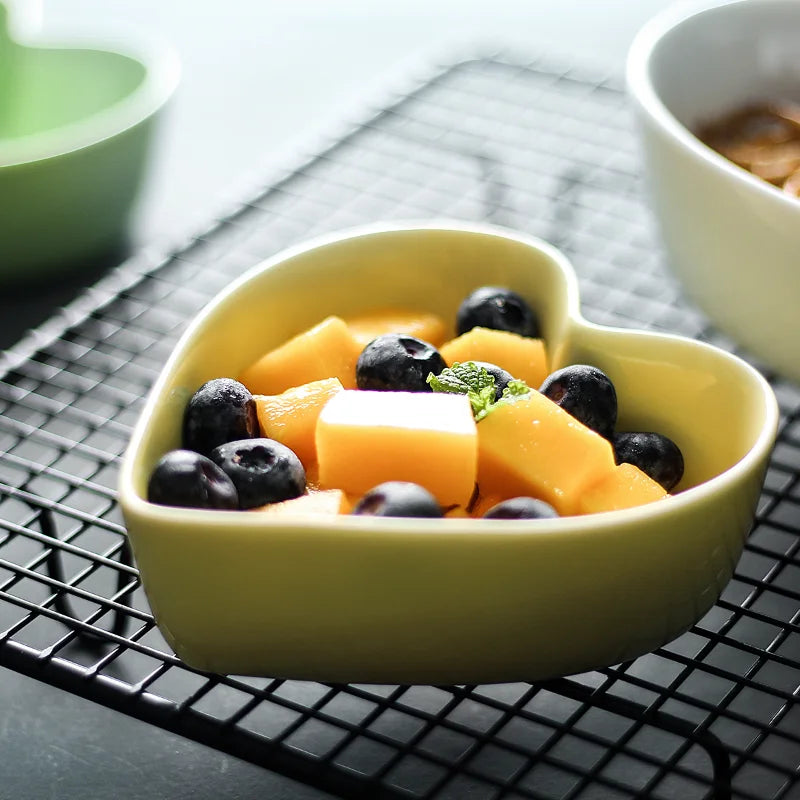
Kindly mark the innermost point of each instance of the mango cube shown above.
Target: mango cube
(327, 350)
(533, 447)
(291, 417)
(420, 324)
(365, 438)
(330, 502)
(625, 487)
(523, 357)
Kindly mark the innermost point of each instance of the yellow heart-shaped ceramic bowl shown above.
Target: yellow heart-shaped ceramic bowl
(365, 599)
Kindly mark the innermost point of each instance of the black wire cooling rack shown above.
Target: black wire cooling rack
(543, 149)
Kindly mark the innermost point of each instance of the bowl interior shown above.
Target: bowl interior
(427, 269)
(709, 62)
(711, 404)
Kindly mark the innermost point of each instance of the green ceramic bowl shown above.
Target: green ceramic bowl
(456, 600)
(76, 121)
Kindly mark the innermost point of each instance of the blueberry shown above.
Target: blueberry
(655, 454)
(497, 308)
(398, 499)
(501, 377)
(399, 363)
(262, 470)
(221, 410)
(188, 479)
(585, 392)
(521, 508)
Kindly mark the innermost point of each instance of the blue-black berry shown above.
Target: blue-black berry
(190, 480)
(397, 362)
(497, 308)
(398, 499)
(587, 393)
(262, 470)
(655, 454)
(221, 410)
(521, 508)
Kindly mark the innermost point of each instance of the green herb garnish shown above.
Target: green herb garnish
(474, 381)
(514, 389)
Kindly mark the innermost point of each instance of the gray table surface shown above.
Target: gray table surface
(259, 79)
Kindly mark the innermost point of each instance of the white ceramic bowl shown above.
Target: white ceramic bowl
(732, 239)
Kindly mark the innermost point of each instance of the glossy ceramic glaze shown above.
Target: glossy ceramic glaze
(732, 238)
(447, 601)
(76, 124)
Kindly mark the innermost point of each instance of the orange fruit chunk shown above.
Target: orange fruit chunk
(534, 448)
(327, 350)
(524, 358)
(420, 324)
(291, 417)
(332, 501)
(365, 438)
(625, 487)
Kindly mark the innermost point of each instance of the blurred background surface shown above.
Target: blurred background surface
(259, 79)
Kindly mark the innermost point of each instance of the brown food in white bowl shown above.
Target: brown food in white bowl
(763, 138)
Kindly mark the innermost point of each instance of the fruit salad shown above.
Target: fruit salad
(383, 415)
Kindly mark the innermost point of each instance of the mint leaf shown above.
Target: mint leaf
(474, 381)
(446, 381)
(482, 401)
(515, 388)
(461, 378)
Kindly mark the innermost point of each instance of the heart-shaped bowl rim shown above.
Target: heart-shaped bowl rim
(161, 66)
(364, 599)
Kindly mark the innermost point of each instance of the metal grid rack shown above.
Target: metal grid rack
(531, 145)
